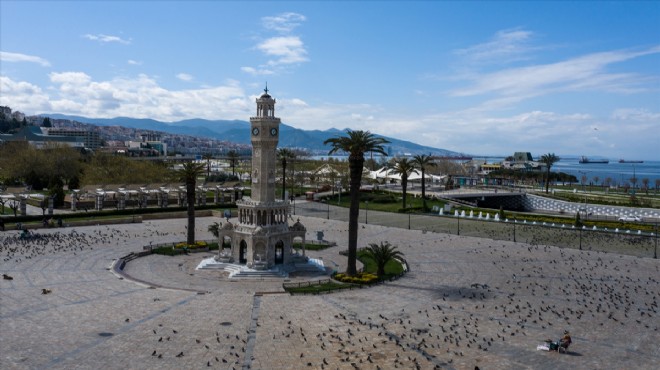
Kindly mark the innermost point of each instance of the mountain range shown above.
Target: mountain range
(239, 132)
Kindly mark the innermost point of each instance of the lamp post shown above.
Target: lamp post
(580, 238)
(366, 213)
(655, 250)
(458, 224)
(514, 229)
(328, 203)
(584, 174)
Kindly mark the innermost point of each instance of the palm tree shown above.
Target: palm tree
(282, 155)
(189, 174)
(422, 162)
(355, 143)
(549, 159)
(233, 158)
(381, 255)
(214, 229)
(405, 168)
(207, 157)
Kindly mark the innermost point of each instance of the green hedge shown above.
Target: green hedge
(113, 212)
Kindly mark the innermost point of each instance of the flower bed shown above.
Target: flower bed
(199, 246)
(360, 278)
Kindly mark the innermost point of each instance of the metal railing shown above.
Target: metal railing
(634, 243)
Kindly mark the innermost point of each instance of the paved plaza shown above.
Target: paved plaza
(466, 302)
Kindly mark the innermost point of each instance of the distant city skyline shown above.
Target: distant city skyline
(486, 78)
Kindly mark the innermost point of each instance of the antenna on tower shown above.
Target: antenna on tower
(266, 89)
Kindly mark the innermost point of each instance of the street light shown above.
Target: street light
(655, 250)
(366, 213)
(328, 203)
(514, 229)
(580, 238)
(458, 224)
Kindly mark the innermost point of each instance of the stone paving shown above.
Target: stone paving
(466, 302)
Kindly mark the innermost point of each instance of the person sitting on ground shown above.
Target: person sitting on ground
(565, 341)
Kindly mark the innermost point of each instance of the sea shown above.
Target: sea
(619, 172)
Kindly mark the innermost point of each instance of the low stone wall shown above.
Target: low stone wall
(180, 214)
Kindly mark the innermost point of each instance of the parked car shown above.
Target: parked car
(630, 219)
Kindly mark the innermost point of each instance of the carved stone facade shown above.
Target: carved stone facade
(262, 237)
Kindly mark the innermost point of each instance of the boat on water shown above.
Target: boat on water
(625, 161)
(585, 160)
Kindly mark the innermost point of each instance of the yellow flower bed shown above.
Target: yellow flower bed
(198, 244)
(360, 278)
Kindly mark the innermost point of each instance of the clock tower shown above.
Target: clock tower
(264, 128)
(262, 238)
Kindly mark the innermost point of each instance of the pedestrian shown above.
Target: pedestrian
(2, 224)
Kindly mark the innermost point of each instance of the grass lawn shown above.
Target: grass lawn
(392, 268)
(384, 201)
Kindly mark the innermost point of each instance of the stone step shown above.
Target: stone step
(258, 274)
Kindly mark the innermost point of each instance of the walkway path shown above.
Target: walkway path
(467, 302)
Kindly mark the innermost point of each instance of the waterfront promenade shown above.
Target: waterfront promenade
(466, 302)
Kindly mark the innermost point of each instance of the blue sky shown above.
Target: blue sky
(486, 78)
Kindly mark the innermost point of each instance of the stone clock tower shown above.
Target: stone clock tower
(263, 238)
(265, 136)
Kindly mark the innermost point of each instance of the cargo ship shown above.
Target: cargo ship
(585, 160)
(625, 161)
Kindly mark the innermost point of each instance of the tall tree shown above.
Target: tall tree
(422, 162)
(284, 154)
(189, 174)
(405, 168)
(233, 158)
(207, 157)
(46, 123)
(355, 143)
(549, 159)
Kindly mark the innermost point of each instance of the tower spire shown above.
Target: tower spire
(266, 89)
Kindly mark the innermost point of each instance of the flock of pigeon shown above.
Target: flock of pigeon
(545, 290)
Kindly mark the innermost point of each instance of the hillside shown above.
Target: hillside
(238, 131)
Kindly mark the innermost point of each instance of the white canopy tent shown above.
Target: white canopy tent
(389, 174)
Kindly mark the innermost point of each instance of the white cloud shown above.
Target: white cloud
(636, 115)
(283, 50)
(134, 62)
(106, 38)
(583, 73)
(141, 96)
(23, 96)
(17, 57)
(70, 78)
(184, 77)
(257, 72)
(288, 49)
(284, 23)
(505, 46)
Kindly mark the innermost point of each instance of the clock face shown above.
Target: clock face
(273, 131)
(255, 131)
